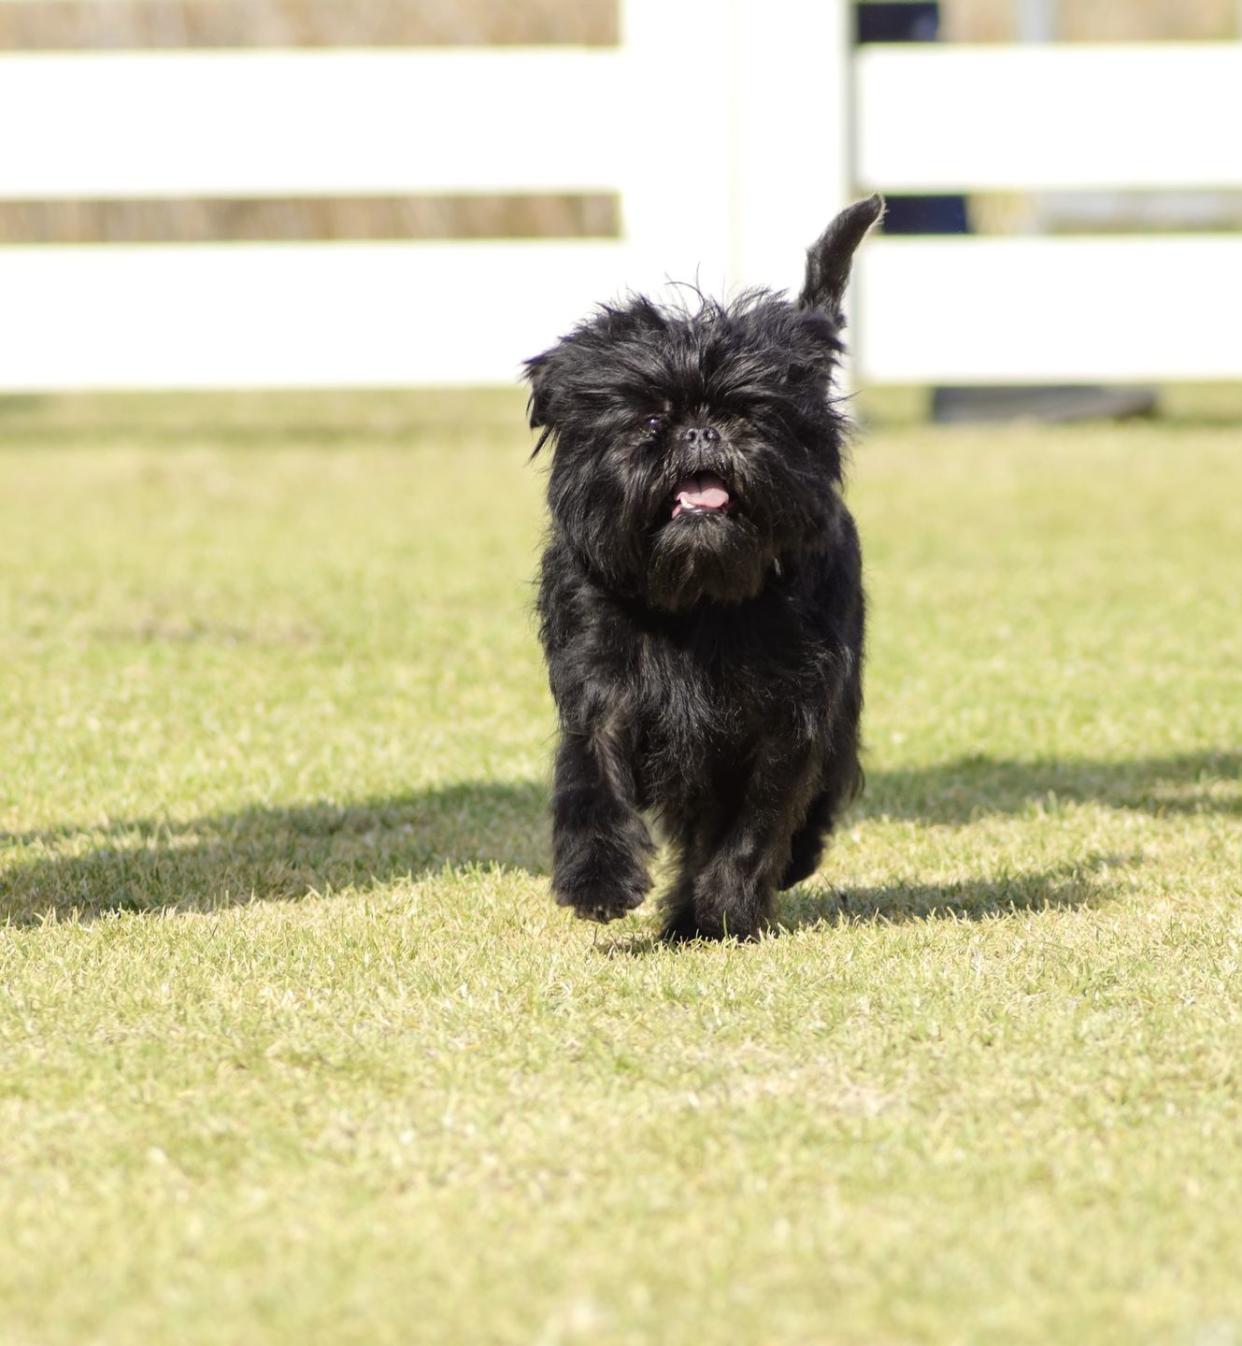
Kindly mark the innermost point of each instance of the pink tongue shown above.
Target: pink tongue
(705, 492)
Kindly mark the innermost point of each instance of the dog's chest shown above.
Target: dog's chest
(715, 690)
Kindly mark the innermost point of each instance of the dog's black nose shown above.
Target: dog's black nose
(696, 435)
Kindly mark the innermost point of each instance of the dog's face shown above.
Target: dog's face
(698, 448)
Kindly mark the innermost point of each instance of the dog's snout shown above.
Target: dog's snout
(700, 436)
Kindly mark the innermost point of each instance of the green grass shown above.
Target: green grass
(295, 1048)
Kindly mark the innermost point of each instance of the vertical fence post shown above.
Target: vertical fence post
(741, 135)
(675, 199)
(792, 134)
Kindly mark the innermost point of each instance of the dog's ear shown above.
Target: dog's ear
(828, 259)
(541, 373)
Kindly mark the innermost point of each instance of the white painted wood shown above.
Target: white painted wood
(290, 315)
(372, 315)
(790, 110)
(676, 181)
(992, 310)
(272, 123)
(951, 118)
(738, 121)
(723, 124)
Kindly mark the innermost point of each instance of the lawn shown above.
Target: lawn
(295, 1047)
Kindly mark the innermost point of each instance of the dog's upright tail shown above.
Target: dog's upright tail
(829, 258)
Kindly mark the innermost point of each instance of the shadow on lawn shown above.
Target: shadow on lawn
(959, 792)
(1075, 884)
(285, 853)
(271, 854)
(1078, 884)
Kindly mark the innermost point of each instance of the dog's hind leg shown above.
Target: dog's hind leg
(600, 844)
(733, 889)
(843, 784)
(694, 849)
(808, 841)
(678, 906)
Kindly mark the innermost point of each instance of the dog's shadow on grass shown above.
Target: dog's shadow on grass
(270, 853)
(959, 792)
(968, 790)
(1080, 883)
(284, 853)
(815, 904)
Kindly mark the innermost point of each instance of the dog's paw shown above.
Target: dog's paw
(603, 907)
(727, 905)
(602, 913)
(594, 898)
(679, 927)
(800, 867)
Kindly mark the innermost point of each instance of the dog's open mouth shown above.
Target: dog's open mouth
(704, 494)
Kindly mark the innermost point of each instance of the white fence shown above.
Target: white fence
(978, 310)
(730, 132)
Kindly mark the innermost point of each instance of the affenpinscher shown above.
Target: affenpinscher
(700, 598)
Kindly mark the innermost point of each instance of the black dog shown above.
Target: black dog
(701, 596)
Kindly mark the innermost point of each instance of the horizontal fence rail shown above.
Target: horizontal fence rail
(289, 315)
(945, 119)
(287, 123)
(1017, 310)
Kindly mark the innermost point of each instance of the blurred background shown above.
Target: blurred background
(164, 158)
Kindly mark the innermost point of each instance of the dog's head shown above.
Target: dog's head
(697, 449)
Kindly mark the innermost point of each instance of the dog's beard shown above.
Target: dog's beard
(692, 529)
(675, 527)
(706, 557)
(697, 453)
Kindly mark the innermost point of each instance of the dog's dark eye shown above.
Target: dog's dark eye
(653, 425)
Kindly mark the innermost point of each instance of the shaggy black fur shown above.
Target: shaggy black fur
(705, 656)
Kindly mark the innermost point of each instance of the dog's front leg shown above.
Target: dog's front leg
(600, 844)
(733, 889)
